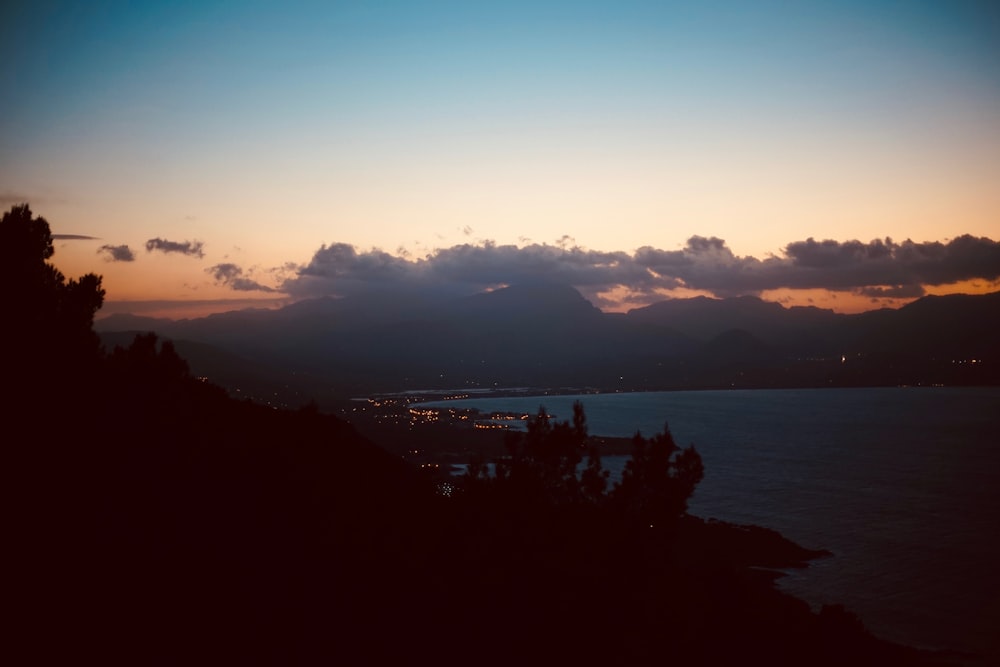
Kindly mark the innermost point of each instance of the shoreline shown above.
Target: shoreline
(439, 395)
(453, 443)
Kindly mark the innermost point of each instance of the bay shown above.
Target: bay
(901, 484)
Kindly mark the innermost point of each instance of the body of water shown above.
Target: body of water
(901, 484)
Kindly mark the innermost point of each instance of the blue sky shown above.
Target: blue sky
(268, 131)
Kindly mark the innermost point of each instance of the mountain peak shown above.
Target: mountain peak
(535, 298)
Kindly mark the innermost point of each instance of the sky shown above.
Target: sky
(202, 156)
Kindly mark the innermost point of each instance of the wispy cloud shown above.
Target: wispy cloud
(879, 268)
(190, 248)
(116, 253)
(73, 237)
(15, 199)
(232, 276)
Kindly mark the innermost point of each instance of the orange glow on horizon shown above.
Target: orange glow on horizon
(185, 309)
(964, 287)
(620, 299)
(616, 300)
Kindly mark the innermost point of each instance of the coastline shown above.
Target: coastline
(452, 443)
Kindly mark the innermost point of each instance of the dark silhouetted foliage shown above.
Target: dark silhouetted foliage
(542, 463)
(542, 468)
(159, 521)
(50, 320)
(658, 480)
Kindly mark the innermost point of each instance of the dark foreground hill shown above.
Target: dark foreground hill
(161, 522)
(153, 520)
(550, 336)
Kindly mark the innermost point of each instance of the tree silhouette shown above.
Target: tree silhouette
(51, 323)
(151, 359)
(658, 480)
(594, 479)
(542, 469)
(542, 462)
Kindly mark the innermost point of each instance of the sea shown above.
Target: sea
(902, 485)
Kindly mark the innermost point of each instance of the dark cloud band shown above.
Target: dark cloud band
(232, 276)
(190, 248)
(117, 253)
(880, 268)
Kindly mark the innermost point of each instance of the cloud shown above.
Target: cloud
(704, 263)
(232, 276)
(117, 253)
(839, 266)
(190, 248)
(893, 292)
(885, 263)
(342, 270)
(880, 268)
(488, 264)
(14, 199)
(72, 237)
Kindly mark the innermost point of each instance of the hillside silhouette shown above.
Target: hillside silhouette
(160, 521)
(546, 335)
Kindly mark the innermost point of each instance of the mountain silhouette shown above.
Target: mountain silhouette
(546, 334)
(704, 318)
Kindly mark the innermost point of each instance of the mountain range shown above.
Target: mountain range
(549, 335)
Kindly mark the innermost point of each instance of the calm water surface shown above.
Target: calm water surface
(902, 485)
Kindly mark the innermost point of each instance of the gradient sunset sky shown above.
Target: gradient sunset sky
(844, 154)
